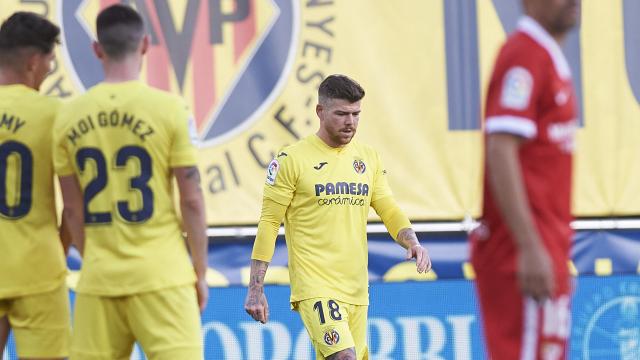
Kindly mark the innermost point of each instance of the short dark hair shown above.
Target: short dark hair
(26, 30)
(340, 87)
(120, 29)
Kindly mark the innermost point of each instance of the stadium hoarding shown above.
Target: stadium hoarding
(412, 320)
(249, 70)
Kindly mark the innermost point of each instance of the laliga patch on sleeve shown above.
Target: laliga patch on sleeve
(516, 88)
(272, 171)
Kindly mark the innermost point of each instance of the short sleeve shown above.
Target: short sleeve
(513, 95)
(282, 178)
(381, 187)
(183, 146)
(62, 160)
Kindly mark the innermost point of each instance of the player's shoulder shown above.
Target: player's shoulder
(521, 49)
(76, 101)
(297, 150)
(45, 103)
(35, 100)
(162, 95)
(364, 149)
(162, 100)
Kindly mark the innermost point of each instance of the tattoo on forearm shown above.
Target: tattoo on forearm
(407, 237)
(258, 272)
(194, 174)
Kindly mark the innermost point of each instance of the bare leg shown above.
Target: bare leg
(4, 334)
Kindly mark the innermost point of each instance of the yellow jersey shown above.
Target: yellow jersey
(122, 141)
(32, 259)
(328, 192)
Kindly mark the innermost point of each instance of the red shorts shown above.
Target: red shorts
(516, 327)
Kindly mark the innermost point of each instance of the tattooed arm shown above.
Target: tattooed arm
(193, 217)
(408, 239)
(263, 247)
(256, 302)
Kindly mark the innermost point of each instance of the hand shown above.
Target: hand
(423, 262)
(202, 290)
(535, 273)
(256, 305)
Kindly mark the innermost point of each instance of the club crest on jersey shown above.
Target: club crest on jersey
(272, 171)
(359, 166)
(516, 88)
(205, 51)
(331, 337)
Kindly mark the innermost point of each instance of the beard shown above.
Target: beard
(343, 136)
(566, 19)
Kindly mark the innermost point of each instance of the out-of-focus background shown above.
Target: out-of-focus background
(249, 70)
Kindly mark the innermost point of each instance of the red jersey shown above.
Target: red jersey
(531, 95)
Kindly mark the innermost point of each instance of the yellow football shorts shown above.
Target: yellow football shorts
(41, 323)
(334, 326)
(166, 324)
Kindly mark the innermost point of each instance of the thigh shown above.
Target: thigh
(166, 323)
(358, 325)
(41, 324)
(518, 327)
(327, 323)
(100, 329)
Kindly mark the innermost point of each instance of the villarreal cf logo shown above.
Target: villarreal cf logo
(359, 166)
(227, 58)
(331, 337)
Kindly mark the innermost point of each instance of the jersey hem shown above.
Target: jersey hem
(106, 292)
(39, 288)
(343, 299)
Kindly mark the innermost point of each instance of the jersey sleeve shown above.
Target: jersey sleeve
(62, 161)
(381, 187)
(268, 227)
(392, 216)
(282, 178)
(514, 93)
(183, 146)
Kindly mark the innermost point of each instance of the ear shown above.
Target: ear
(319, 109)
(97, 49)
(32, 62)
(145, 44)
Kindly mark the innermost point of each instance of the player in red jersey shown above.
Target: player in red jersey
(521, 249)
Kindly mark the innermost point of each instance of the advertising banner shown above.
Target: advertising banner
(408, 321)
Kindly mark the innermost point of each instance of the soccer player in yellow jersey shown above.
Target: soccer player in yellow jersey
(323, 187)
(117, 148)
(33, 294)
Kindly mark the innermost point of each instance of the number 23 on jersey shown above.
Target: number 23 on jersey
(89, 157)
